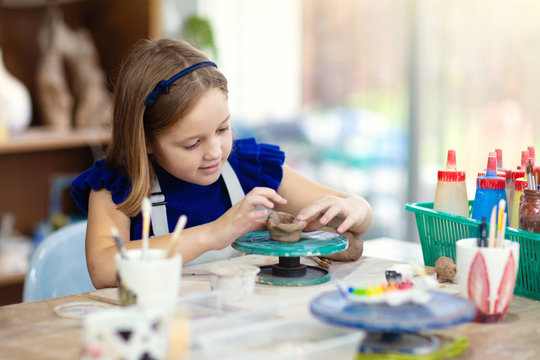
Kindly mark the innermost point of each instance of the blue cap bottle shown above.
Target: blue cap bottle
(491, 189)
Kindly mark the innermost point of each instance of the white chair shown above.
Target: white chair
(58, 265)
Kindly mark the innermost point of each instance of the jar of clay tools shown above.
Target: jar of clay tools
(529, 211)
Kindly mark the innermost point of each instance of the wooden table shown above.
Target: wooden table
(34, 331)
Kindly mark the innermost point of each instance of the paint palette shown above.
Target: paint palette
(393, 293)
(390, 294)
(289, 271)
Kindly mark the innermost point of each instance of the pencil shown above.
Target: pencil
(501, 234)
(146, 209)
(492, 227)
(500, 225)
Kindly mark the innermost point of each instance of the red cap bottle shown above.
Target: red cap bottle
(451, 192)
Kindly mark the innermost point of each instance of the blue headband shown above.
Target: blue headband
(162, 87)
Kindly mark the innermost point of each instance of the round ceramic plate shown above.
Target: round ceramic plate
(442, 310)
(76, 310)
(310, 244)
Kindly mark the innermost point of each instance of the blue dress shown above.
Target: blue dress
(254, 164)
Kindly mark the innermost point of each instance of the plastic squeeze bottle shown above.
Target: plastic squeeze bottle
(491, 188)
(451, 191)
(507, 172)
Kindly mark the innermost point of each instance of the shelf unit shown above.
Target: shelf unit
(30, 161)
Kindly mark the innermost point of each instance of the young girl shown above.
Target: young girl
(172, 139)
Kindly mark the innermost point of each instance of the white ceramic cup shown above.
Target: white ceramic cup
(126, 333)
(149, 281)
(487, 276)
(239, 278)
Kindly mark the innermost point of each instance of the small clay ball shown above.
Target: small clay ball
(282, 227)
(445, 269)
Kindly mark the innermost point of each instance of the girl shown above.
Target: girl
(171, 139)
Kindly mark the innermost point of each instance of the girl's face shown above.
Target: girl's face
(196, 147)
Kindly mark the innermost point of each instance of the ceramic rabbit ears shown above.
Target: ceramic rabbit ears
(162, 87)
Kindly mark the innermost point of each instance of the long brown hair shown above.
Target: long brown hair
(135, 125)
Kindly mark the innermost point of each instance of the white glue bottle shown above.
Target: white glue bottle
(451, 192)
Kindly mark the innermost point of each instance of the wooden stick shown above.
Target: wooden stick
(146, 209)
(174, 245)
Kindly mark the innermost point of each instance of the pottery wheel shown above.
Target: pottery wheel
(290, 271)
(395, 328)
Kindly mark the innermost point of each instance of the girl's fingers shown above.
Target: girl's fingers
(258, 225)
(258, 214)
(265, 197)
(257, 200)
(331, 213)
(346, 224)
(311, 212)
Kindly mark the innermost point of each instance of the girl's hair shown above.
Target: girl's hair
(136, 125)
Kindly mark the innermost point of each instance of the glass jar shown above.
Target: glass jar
(529, 211)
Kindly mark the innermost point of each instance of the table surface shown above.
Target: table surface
(34, 331)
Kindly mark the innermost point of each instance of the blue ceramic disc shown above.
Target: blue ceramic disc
(441, 311)
(310, 244)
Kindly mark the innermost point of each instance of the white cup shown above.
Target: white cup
(487, 276)
(238, 278)
(149, 281)
(126, 333)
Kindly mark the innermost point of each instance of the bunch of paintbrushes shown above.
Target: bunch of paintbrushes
(497, 227)
(531, 177)
(174, 245)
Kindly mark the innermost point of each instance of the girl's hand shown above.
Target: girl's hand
(245, 217)
(340, 213)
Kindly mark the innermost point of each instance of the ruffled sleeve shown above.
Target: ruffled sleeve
(96, 178)
(257, 164)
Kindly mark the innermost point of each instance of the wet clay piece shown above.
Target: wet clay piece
(282, 227)
(445, 269)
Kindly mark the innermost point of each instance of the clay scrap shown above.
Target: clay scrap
(282, 227)
(445, 269)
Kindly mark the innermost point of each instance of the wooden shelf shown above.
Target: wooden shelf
(11, 279)
(43, 138)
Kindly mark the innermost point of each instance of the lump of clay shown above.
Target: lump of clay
(282, 227)
(445, 269)
(352, 253)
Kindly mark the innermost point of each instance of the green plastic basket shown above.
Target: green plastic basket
(439, 232)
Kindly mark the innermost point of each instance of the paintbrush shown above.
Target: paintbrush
(174, 245)
(482, 229)
(118, 242)
(530, 180)
(146, 209)
(321, 262)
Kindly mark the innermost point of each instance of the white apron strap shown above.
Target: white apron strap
(158, 215)
(236, 193)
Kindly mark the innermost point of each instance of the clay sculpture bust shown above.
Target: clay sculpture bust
(282, 227)
(445, 269)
